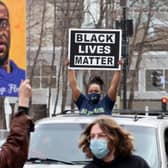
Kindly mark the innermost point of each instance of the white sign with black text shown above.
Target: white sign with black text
(97, 49)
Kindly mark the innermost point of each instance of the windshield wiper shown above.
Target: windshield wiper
(81, 162)
(39, 160)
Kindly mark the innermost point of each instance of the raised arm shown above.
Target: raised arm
(112, 92)
(73, 84)
(14, 152)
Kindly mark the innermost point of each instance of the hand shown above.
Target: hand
(25, 92)
(121, 61)
(66, 62)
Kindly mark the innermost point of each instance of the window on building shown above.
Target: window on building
(48, 76)
(36, 82)
(43, 76)
(166, 80)
(36, 76)
(149, 81)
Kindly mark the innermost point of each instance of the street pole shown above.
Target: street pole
(125, 55)
(125, 41)
(127, 31)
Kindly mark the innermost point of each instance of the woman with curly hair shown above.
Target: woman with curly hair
(109, 145)
(93, 102)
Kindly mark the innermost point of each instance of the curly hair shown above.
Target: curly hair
(120, 140)
(96, 80)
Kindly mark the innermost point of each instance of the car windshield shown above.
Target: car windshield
(145, 139)
(57, 141)
(3, 136)
(60, 142)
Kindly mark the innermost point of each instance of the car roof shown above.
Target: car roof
(138, 120)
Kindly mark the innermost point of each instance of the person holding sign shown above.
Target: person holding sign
(10, 74)
(93, 102)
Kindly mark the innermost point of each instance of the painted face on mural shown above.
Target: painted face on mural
(4, 34)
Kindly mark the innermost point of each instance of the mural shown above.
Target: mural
(12, 46)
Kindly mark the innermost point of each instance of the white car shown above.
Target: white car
(2, 141)
(54, 144)
(3, 136)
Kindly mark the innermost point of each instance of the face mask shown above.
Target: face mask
(94, 97)
(99, 148)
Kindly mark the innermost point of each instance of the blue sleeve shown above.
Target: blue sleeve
(82, 98)
(108, 104)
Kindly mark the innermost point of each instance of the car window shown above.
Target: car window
(2, 141)
(3, 136)
(146, 144)
(57, 141)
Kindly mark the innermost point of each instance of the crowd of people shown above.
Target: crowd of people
(104, 140)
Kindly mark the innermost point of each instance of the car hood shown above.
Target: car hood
(51, 166)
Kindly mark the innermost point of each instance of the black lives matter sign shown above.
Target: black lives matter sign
(94, 48)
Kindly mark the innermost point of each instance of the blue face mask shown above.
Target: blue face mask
(94, 97)
(99, 148)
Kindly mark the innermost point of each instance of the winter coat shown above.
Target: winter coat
(130, 161)
(14, 152)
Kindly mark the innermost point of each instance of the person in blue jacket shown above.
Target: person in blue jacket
(10, 74)
(93, 102)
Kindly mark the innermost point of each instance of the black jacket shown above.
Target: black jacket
(131, 161)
